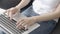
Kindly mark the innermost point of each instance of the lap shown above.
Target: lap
(45, 27)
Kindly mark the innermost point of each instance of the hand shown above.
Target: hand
(12, 11)
(24, 23)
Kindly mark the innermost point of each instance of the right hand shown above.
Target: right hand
(12, 11)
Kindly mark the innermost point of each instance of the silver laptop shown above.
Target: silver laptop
(9, 26)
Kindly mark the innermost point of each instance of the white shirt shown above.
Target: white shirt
(44, 6)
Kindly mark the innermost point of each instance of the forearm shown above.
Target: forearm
(23, 3)
(48, 16)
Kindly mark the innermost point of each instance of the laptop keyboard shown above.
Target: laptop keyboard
(10, 24)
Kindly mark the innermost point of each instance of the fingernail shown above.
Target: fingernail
(26, 27)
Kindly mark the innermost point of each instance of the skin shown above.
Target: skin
(31, 20)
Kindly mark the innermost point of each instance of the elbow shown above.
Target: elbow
(57, 14)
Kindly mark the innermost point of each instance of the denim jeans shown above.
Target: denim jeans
(45, 26)
(1, 32)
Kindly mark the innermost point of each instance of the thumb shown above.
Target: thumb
(11, 15)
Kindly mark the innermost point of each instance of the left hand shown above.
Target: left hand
(25, 22)
(12, 11)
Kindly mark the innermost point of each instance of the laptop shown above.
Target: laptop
(9, 26)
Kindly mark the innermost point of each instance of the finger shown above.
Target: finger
(20, 24)
(10, 15)
(19, 21)
(24, 24)
(14, 14)
(21, 27)
(8, 11)
(26, 27)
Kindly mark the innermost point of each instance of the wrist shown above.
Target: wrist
(34, 19)
(18, 7)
